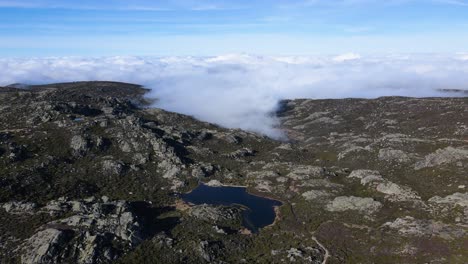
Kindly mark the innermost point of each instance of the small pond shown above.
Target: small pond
(259, 211)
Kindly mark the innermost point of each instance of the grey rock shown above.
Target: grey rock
(316, 195)
(79, 144)
(245, 152)
(215, 213)
(409, 226)
(395, 155)
(460, 199)
(87, 236)
(294, 254)
(46, 246)
(442, 156)
(112, 167)
(392, 191)
(214, 183)
(19, 207)
(346, 203)
(303, 172)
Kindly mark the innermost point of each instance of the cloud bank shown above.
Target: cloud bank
(242, 91)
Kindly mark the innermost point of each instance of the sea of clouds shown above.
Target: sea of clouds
(242, 91)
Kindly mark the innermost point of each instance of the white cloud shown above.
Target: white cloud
(462, 56)
(134, 5)
(241, 91)
(347, 57)
(453, 2)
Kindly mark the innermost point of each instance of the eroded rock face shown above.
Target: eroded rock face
(92, 234)
(46, 246)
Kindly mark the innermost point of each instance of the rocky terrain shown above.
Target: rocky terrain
(90, 174)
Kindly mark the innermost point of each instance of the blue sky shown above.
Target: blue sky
(206, 27)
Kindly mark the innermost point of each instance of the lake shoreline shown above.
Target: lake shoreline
(256, 193)
(217, 184)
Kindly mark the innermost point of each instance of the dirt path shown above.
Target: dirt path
(327, 254)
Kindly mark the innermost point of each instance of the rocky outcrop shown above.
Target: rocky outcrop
(214, 183)
(19, 207)
(299, 255)
(306, 172)
(409, 226)
(346, 203)
(112, 167)
(316, 195)
(96, 232)
(94, 139)
(460, 199)
(241, 153)
(47, 246)
(393, 155)
(216, 214)
(443, 156)
(79, 144)
(392, 191)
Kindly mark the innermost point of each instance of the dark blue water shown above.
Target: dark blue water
(259, 213)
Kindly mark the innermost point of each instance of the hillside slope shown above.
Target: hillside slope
(90, 174)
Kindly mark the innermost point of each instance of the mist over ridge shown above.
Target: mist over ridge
(242, 91)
